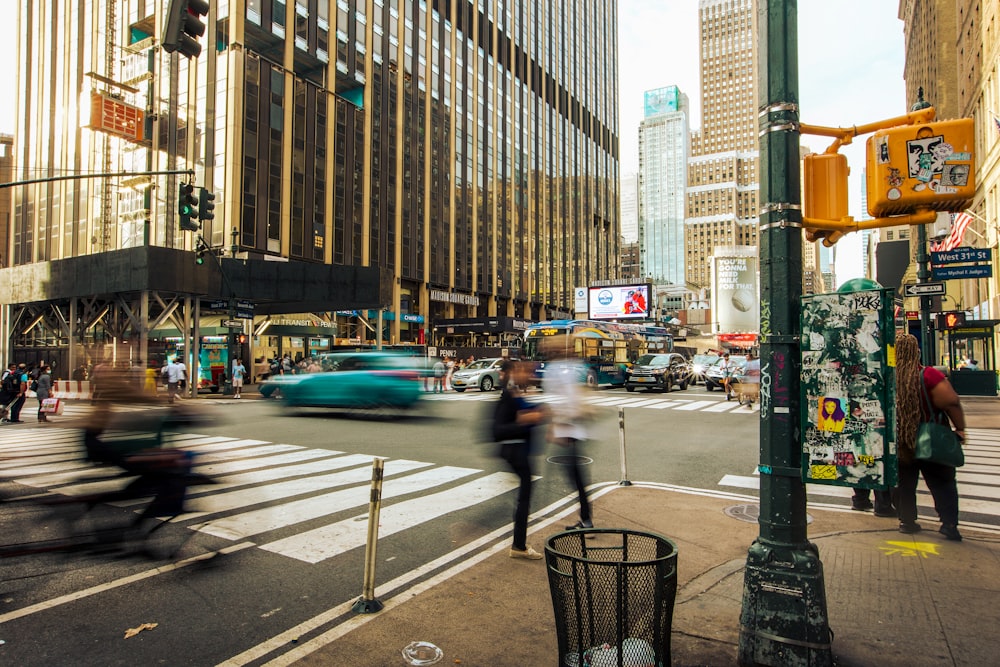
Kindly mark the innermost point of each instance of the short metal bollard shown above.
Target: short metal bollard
(613, 594)
(367, 604)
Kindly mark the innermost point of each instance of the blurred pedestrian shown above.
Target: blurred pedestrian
(726, 367)
(449, 365)
(173, 374)
(439, 371)
(565, 380)
(239, 373)
(514, 422)
(916, 387)
(43, 390)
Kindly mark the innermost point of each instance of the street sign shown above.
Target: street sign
(924, 289)
(962, 255)
(218, 305)
(244, 304)
(969, 271)
(233, 324)
(245, 314)
(913, 315)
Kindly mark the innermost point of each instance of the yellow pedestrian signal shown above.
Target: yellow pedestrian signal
(824, 193)
(927, 166)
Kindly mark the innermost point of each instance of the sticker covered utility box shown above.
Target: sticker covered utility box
(848, 390)
(927, 166)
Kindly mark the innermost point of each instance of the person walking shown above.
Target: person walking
(916, 387)
(514, 422)
(239, 373)
(20, 394)
(43, 390)
(726, 367)
(172, 372)
(182, 382)
(439, 371)
(10, 392)
(565, 380)
(449, 370)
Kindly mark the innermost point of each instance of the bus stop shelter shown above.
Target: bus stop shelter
(974, 340)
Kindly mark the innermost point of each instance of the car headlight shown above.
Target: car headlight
(659, 371)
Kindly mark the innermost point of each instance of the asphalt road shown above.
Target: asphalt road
(274, 552)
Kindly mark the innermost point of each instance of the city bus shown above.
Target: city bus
(606, 348)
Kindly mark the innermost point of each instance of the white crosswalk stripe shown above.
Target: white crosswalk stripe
(268, 490)
(978, 479)
(676, 401)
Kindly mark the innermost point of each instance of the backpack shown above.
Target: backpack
(10, 384)
(34, 385)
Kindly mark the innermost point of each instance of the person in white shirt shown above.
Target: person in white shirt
(566, 380)
(174, 372)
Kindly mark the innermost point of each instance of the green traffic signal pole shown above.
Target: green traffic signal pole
(784, 618)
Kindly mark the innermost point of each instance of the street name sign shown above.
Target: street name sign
(924, 289)
(218, 305)
(962, 255)
(965, 271)
(233, 324)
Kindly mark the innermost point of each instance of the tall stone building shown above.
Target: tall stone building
(722, 206)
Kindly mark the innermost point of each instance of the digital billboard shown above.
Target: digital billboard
(620, 302)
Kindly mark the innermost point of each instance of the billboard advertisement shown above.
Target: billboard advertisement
(734, 293)
(620, 302)
(660, 100)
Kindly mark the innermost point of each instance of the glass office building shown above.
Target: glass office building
(468, 150)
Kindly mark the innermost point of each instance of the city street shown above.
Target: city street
(274, 550)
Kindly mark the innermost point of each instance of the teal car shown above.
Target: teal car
(364, 380)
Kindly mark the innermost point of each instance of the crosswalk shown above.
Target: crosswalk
(268, 492)
(978, 479)
(676, 401)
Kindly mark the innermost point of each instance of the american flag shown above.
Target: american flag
(959, 223)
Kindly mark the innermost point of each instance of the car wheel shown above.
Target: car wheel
(683, 386)
(460, 389)
(629, 388)
(486, 384)
(709, 386)
(591, 379)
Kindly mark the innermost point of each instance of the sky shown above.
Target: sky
(851, 56)
(850, 72)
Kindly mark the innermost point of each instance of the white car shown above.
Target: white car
(482, 373)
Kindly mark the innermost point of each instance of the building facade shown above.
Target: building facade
(468, 151)
(722, 207)
(629, 208)
(663, 154)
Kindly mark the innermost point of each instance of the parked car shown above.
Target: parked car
(715, 373)
(482, 373)
(355, 380)
(699, 364)
(658, 372)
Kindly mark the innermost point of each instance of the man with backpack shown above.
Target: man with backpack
(14, 386)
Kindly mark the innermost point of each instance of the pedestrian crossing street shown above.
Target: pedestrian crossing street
(266, 492)
(978, 479)
(677, 400)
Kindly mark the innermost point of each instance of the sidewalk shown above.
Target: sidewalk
(892, 599)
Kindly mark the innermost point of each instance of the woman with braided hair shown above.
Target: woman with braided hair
(912, 380)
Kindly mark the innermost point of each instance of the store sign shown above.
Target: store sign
(454, 297)
(407, 317)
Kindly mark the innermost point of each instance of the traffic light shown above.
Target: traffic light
(184, 27)
(200, 252)
(206, 205)
(927, 166)
(953, 319)
(824, 194)
(187, 208)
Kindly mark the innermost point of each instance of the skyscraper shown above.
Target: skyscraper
(722, 207)
(467, 151)
(630, 208)
(663, 153)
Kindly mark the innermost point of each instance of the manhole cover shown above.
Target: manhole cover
(749, 512)
(567, 460)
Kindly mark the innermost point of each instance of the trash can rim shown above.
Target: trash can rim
(619, 531)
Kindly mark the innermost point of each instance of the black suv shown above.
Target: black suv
(658, 371)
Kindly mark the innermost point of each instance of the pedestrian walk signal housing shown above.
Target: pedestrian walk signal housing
(926, 166)
(187, 208)
(183, 27)
(824, 193)
(952, 319)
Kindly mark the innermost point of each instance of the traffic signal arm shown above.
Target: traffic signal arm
(844, 135)
(830, 231)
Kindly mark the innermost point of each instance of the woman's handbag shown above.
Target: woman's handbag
(936, 442)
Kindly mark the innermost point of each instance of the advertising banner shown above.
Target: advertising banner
(734, 293)
(848, 389)
(619, 302)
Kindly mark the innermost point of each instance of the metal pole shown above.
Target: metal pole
(621, 447)
(927, 339)
(784, 618)
(367, 604)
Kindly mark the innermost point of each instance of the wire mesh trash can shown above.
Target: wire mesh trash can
(613, 594)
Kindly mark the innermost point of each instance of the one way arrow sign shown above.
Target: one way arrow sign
(924, 289)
